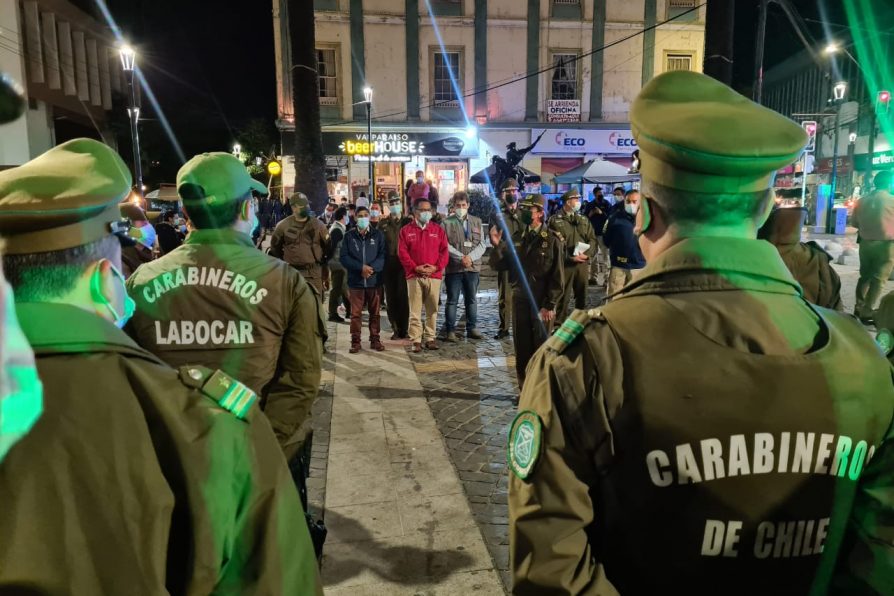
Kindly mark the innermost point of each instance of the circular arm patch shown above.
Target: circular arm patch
(524, 443)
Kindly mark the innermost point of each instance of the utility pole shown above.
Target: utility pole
(719, 40)
(310, 163)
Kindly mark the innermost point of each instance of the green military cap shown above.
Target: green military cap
(695, 133)
(65, 198)
(571, 194)
(393, 197)
(534, 200)
(511, 183)
(216, 178)
(298, 199)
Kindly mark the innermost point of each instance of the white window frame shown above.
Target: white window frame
(567, 2)
(678, 55)
(454, 102)
(683, 4)
(330, 100)
(554, 54)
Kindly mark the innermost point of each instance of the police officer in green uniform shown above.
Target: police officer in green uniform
(709, 431)
(540, 254)
(397, 301)
(508, 216)
(809, 264)
(137, 478)
(219, 301)
(575, 230)
(301, 241)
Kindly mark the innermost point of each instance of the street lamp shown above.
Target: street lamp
(839, 91)
(129, 63)
(237, 150)
(368, 97)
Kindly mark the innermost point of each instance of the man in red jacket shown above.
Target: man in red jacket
(422, 250)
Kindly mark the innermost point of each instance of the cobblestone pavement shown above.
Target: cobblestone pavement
(471, 387)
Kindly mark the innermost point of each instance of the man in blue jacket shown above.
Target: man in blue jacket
(623, 247)
(363, 257)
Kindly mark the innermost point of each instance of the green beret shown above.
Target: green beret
(571, 194)
(534, 200)
(216, 178)
(65, 198)
(695, 133)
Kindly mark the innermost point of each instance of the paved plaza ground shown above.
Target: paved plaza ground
(409, 466)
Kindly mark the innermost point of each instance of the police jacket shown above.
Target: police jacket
(301, 244)
(336, 235)
(509, 218)
(137, 480)
(623, 246)
(219, 301)
(358, 250)
(574, 229)
(709, 428)
(597, 211)
(539, 266)
(809, 264)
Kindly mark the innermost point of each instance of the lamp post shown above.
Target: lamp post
(368, 97)
(839, 91)
(128, 63)
(237, 151)
(834, 48)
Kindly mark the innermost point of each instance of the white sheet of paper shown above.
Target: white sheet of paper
(581, 248)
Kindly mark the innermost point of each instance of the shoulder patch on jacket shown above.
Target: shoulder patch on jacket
(571, 329)
(229, 393)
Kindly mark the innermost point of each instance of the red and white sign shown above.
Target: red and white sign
(563, 110)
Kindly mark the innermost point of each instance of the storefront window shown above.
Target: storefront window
(448, 177)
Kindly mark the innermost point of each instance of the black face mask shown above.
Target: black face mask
(527, 217)
(510, 199)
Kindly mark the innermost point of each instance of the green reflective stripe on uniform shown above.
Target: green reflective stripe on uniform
(564, 336)
(572, 326)
(244, 404)
(230, 397)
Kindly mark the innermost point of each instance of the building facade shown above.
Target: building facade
(802, 89)
(67, 62)
(455, 81)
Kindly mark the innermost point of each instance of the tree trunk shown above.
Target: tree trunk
(310, 163)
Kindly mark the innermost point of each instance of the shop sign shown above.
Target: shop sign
(881, 160)
(563, 110)
(398, 146)
(577, 141)
(824, 166)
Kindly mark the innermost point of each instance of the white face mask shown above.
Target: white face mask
(631, 208)
(395, 209)
(461, 212)
(420, 180)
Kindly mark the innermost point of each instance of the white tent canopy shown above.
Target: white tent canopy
(598, 171)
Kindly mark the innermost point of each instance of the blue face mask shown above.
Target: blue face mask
(129, 305)
(395, 209)
(375, 213)
(362, 223)
(425, 217)
(21, 392)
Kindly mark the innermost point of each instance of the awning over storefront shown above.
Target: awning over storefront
(597, 171)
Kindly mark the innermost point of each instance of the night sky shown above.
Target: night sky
(211, 63)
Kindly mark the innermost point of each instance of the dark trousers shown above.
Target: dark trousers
(338, 292)
(467, 281)
(876, 264)
(368, 297)
(504, 299)
(575, 282)
(396, 298)
(528, 334)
